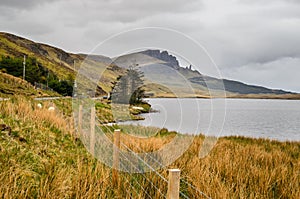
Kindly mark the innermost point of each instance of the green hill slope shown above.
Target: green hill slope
(63, 64)
(10, 85)
(157, 65)
(54, 59)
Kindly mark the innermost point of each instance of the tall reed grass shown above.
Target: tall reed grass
(50, 162)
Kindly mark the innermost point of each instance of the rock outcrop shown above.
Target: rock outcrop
(164, 56)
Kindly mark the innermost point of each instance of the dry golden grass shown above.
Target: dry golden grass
(245, 168)
(50, 162)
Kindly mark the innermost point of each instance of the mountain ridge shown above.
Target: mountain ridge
(232, 87)
(66, 64)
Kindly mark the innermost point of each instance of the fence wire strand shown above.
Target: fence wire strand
(149, 166)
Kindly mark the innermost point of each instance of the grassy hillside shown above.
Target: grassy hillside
(54, 59)
(164, 69)
(65, 65)
(10, 85)
(59, 62)
(42, 158)
(234, 86)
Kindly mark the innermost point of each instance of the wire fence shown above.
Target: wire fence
(42, 86)
(137, 184)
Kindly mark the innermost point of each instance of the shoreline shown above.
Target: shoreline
(293, 137)
(170, 132)
(278, 97)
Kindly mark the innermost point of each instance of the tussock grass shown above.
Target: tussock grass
(245, 168)
(10, 85)
(50, 162)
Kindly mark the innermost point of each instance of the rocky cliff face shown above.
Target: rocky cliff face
(164, 56)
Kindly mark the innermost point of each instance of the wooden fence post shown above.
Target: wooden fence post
(92, 135)
(116, 161)
(80, 119)
(174, 184)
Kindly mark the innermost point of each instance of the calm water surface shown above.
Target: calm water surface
(274, 119)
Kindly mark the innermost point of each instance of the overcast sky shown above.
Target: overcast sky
(254, 41)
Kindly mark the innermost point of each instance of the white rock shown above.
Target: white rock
(137, 108)
(51, 108)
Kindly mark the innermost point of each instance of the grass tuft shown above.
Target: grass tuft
(50, 162)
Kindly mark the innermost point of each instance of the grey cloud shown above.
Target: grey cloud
(7, 14)
(254, 36)
(26, 29)
(267, 2)
(285, 71)
(23, 4)
(124, 11)
(19, 4)
(237, 34)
